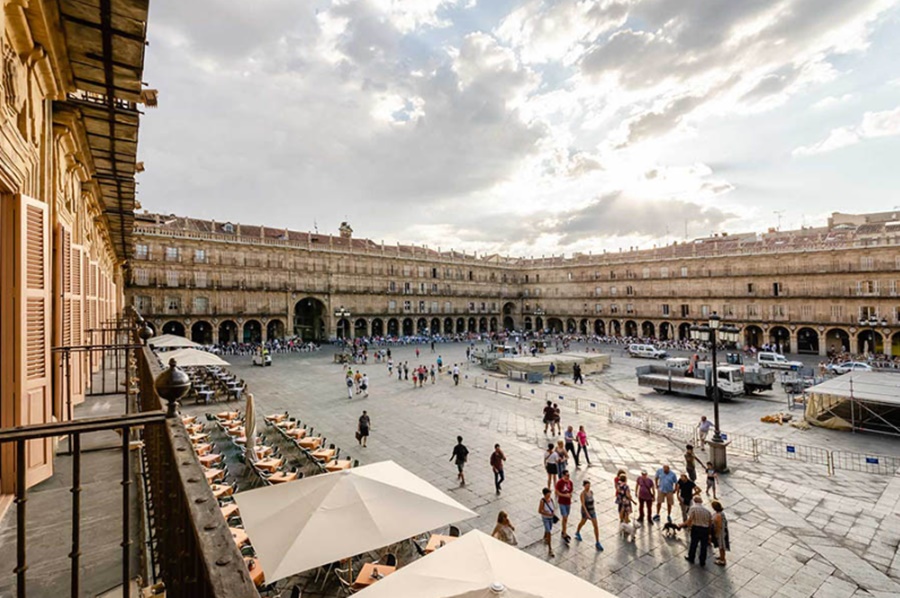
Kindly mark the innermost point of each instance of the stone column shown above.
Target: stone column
(793, 341)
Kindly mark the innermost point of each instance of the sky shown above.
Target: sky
(525, 128)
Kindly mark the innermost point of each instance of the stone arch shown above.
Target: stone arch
(684, 331)
(342, 328)
(753, 336)
(173, 327)
(202, 332)
(781, 338)
(807, 341)
(583, 326)
(571, 326)
(648, 330)
(556, 325)
(837, 340)
(393, 327)
(360, 328)
(665, 331)
(407, 327)
(252, 331)
(869, 341)
(539, 324)
(377, 327)
(274, 329)
(460, 325)
(509, 308)
(528, 323)
(448, 325)
(493, 324)
(615, 328)
(631, 328)
(421, 326)
(228, 332)
(473, 325)
(508, 323)
(482, 324)
(895, 344)
(309, 319)
(435, 326)
(599, 328)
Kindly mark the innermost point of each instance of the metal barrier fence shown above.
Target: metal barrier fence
(653, 424)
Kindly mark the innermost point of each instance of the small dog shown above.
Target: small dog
(670, 529)
(626, 528)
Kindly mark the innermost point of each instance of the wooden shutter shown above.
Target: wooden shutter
(77, 358)
(32, 399)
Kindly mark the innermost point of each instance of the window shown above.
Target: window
(405, 270)
(866, 263)
(422, 288)
(171, 254)
(629, 290)
(664, 272)
(684, 271)
(526, 278)
(434, 272)
(568, 275)
(392, 287)
(837, 313)
(613, 290)
(407, 306)
(448, 306)
(629, 308)
(867, 287)
(471, 306)
(228, 227)
(392, 306)
(199, 256)
(598, 308)
(612, 274)
(728, 310)
(226, 304)
(646, 273)
(704, 311)
(434, 307)
(421, 307)
(776, 289)
(685, 310)
(483, 306)
(598, 292)
(434, 287)
(143, 304)
(665, 309)
(806, 312)
(421, 271)
(752, 310)
(407, 288)
(778, 311)
(200, 279)
(471, 276)
(614, 308)
(868, 311)
(141, 252)
(141, 277)
(173, 305)
(172, 278)
(201, 305)
(537, 278)
(750, 288)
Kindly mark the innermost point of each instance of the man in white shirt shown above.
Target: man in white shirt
(703, 428)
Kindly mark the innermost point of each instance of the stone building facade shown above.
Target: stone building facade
(68, 138)
(805, 291)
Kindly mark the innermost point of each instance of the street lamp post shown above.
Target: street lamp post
(872, 323)
(712, 332)
(342, 314)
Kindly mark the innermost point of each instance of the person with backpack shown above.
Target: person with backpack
(460, 455)
(349, 387)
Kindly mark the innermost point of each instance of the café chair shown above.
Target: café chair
(454, 531)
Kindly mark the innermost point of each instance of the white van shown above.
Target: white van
(776, 361)
(648, 351)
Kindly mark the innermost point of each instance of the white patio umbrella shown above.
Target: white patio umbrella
(250, 426)
(193, 358)
(321, 519)
(171, 341)
(479, 566)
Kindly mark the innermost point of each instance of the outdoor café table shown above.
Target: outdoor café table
(436, 541)
(277, 417)
(202, 449)
(188, 419)
(210, 459)
(235, 431)
(323, 454)
(229, 510)
(195, 438)
(271, 464)
(227, 415)
(337, 465)
(263, 451)
(310, 443)
(240, 439)
(280, 477)
(256, 572)
(206, 395)
(297, 433)
(194, 428)
(239, 535)
(220, 490)
(214, 474)
(365, 577)
(287, 425)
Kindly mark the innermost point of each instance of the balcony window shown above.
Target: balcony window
(172, 278)
(141, 252)
(201, 305)
(171, 254)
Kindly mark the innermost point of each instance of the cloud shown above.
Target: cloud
(872, 126)
(832, 101)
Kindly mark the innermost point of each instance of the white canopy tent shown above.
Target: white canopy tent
(171, 341)
(318, 520)
(479, 566)
(868, 401)
(193, 358)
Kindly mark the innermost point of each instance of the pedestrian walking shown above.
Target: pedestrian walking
(551, 460)
(564, 500)
(455, 375)
(497, 459)
(460, 455)
(690, 462)
(406, 370)
(399, 371)
(699, 519)
(665, 490)
(357, 380)
(417, 352)
(703, 431)
(548, 415)
(719, 531)
(556, 426)
(685, 487)
(433, 373)
(569, 437)
(577, 378)
(552, 367)
(349, 383)
(645, 490)
(588, 513)
(712, 478)
(390, 368)
(362, 428)
(624, 500)
(504, 530)
(582, 438)
(440, 364)
(562, 462)
(364, 385)
(547, 511)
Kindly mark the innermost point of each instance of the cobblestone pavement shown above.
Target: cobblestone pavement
(795, 531)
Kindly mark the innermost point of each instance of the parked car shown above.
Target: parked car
(648, 351)
(777, 361)
(848, 366)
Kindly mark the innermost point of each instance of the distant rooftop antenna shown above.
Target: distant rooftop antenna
(316, 226)
(778, 213)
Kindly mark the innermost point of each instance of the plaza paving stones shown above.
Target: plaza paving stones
(796, 532)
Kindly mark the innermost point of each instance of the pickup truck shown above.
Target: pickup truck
(665, 380)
